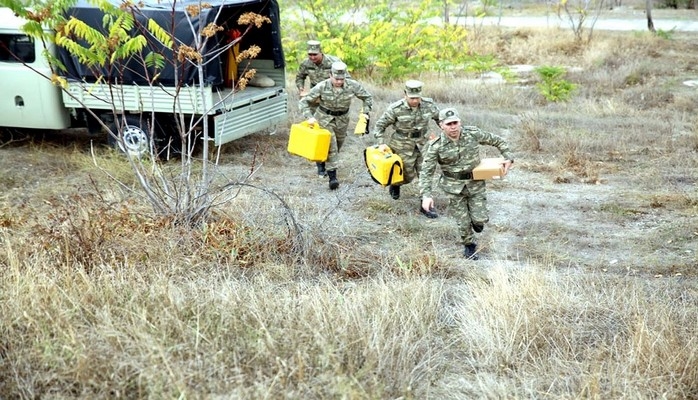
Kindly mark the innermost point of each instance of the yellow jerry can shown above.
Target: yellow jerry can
(309, 141)
(385, 167)
(361, 125)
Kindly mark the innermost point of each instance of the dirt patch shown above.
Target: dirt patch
(537, 215)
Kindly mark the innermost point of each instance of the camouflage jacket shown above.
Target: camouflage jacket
(406, 121)
(315, 73)
(335, 100)
(456, 157)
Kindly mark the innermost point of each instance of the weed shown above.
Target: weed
(553, 86)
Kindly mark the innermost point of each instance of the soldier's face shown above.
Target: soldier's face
(337, 82)
(452, 129)
(414, 101)
(315, 57)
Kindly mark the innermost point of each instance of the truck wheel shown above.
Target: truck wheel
(136, 139)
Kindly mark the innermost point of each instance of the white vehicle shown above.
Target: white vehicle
(29, 100)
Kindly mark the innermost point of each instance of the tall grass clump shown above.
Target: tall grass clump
(572, 334)
(134, 332)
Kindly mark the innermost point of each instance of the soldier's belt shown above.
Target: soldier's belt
(333, 113)
(458, 175)
(410, 134)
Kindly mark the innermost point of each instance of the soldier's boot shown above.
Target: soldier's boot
(321, 169)
(334, 183)
(394, 191)
(470, 252)
(478, 227)
(429, 214)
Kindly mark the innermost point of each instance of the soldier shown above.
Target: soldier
(456, 151)
(316, 68)
(334, 97)
(410, 119)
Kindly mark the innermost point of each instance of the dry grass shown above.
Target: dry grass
(587, 289)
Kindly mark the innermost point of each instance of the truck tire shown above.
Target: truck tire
(136, 136)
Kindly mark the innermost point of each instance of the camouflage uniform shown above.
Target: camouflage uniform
(315, 73)
(467, 197)
(410, 135)
(333, 111)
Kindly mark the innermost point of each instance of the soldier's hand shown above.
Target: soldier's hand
(383, 148)
(312, 121)
(302, 93)
(427, 204)
(507, 165)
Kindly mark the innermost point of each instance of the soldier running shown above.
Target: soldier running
(456, 150)
(334, 96)
(410, 119)
(315, 69)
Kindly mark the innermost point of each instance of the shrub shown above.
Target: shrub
(552, 86)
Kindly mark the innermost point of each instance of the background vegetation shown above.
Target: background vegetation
(588, 288)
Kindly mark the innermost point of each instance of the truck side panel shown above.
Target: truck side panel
(136, 99)
(253, 109)
(250, 118)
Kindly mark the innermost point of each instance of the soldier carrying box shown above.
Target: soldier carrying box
(457, 151)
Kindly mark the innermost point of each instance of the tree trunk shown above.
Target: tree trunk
(648, 9)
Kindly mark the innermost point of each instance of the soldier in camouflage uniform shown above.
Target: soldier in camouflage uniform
(456, 151)
(316, 68)
(334, 96)
(410, 119)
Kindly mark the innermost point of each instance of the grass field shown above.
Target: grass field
(588, 286)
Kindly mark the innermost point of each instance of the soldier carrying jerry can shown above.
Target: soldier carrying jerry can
(315, 69)
(410, 118)
(334, 96)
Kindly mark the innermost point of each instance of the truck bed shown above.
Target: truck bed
(235, 114)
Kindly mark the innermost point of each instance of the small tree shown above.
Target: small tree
(553, 86)
(130, 44)
(648, 11)
(579, 13)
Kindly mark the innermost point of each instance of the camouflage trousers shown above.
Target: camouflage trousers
(469, 207)
(411, 156)
(338, 127)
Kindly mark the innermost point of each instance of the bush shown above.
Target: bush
(553, 87)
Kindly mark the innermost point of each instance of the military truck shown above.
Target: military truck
(127, 101)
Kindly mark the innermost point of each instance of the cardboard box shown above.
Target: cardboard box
(385, 167)
(309, 141)
(489, 168)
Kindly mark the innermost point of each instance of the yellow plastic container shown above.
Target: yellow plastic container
(309, 141)
(385, 167)
(362, 125)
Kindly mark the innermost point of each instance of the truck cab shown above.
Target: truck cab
(27, 100)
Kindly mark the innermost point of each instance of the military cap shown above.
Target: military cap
(314, 47)
(413, 88)
(448, 115)
(339, 69)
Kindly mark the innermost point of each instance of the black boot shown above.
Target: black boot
(394, 191)
(470, 252)
(334, 183)
(321, 169)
